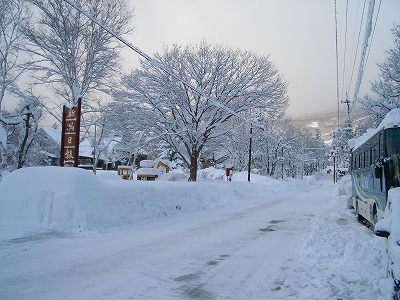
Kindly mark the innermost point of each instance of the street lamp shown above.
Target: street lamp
(248, 167)
(282, 162)
(334, 154)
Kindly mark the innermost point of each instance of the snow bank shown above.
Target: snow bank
(339, 258)
(73, 199)
(345, 186)
(391, 251)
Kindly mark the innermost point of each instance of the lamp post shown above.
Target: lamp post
(334, 154)
(248, 167)
(282, 162)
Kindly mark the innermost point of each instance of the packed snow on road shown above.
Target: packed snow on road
(66, 233)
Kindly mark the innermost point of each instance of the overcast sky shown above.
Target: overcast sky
(299, 36)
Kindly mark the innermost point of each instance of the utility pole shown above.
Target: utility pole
(333, 155)
(349, 118)
(282, 162)
(248, 167)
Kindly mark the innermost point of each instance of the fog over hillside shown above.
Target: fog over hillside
(327, 122)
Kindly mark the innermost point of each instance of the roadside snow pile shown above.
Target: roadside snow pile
(345, 186)
(73, 200)
(391, 252)
(338, 259)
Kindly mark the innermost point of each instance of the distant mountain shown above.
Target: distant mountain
(327, 122)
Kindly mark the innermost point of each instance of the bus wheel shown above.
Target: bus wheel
(374, 215)
(360, 218)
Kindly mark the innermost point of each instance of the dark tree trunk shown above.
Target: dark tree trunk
(22, 149)
(193, 166)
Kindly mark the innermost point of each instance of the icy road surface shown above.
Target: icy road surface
(296, 245)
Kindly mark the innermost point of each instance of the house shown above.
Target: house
(48, 140)
(85, 159)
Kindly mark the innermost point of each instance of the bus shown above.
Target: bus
(375, 161)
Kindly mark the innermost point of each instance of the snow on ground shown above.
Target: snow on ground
(68, 234)
(73, 200)
(391, 253)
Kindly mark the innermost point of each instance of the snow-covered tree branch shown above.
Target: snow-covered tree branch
(387, 87)
(232, 81)
(21, 129)
(12, 16)
(70, 49)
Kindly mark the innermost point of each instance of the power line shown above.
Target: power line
(358, 42)
(337, 67)
(368, 29)
(373, 31)
(345, 47)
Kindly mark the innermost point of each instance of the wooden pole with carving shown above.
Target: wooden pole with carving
(70, 135)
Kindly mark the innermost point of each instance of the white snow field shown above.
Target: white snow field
(68, 234)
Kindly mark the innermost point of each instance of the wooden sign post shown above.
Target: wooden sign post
(70, 135)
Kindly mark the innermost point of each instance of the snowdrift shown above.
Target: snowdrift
(72, 199)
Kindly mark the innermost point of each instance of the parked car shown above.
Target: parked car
(150, 170)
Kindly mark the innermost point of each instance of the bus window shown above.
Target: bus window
(371, 158)
(374, 159)
(374, 154)
(364, 160)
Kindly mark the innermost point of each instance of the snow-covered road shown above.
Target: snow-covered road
(294, 245)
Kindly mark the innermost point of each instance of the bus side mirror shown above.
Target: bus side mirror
(382, 233)
(378, 172)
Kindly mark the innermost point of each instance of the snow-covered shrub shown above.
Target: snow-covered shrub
(345, 189)
(211, 173)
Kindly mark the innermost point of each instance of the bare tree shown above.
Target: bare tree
(21, 125)
(387, 87)
(232, 82)
(130, 125)
(70, 49)
(12, 17)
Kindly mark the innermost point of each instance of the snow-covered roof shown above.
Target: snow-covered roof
(55, 134)
(85, 148)
(391, 119)
(147, 171)
(49, 154)
(119, 146)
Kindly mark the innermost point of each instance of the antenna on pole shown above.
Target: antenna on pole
(349, 117)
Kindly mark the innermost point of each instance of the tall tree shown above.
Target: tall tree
(232, 82)
(21, 126)
(387, 87)
(12, 16)
(130, 126)
(72, 50)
